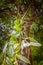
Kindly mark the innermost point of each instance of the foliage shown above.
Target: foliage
(21, 25)
(23, 58)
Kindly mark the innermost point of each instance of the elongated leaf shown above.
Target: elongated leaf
(23, 58)
(8, 61)
(27, 44)
(5, 48)
(35, 44)
(32, 39)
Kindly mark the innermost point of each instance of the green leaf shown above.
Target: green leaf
(8, 61)
(32, 39)
(23, 58)
(35, 44)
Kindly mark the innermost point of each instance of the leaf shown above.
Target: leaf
(17, 24)
(8, 61)
(32, 39)
(15, 46)
(12, 49)
(35, 44)
(35, 27)
(5, 48)
(27, 44)
(23, 58)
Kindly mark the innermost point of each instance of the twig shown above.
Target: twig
(26, 12)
